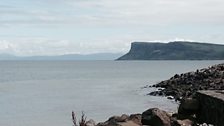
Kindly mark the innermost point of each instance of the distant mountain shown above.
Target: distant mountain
(97, 56)
(7, 57)
(178, 50)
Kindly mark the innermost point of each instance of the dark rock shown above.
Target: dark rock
(170, 97)
(211, 107)
(186, 85)
(188, 106)
(176, 76)
(156, 117)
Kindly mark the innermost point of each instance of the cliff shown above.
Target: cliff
(177, 50)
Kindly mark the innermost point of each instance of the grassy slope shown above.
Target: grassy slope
(174, 51)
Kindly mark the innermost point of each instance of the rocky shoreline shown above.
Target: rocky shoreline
(187, 84)
(186, 116)
(192, 111)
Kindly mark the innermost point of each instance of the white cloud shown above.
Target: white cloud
(125, 12)
(42, 46)
(155, 11)
(91, 26)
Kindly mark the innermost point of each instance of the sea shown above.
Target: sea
(44, 93)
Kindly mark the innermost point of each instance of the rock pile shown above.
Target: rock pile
(123, 120)
(150, 117)
(186, 116)
(189, 114)
(186, 85)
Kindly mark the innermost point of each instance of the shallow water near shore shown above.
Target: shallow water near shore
(44, 93)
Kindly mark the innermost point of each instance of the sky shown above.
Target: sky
(57, 27)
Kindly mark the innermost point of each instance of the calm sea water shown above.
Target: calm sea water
(44, 93)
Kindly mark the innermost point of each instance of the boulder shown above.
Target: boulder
(136, 118)
(188, 106)
(156, 117)
(129, 123)
(90, 123)
(108, 123)
(185, 122)
(123, 120)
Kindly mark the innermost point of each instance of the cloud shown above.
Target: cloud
(155, 11)
(120, 12)
(26, 46)
(47, 27)
(43, 46)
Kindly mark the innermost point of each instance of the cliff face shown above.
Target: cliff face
(174, 51)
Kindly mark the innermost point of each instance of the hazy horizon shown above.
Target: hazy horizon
(57, 27)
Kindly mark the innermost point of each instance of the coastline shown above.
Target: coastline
(188, 88)
(53, 99)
